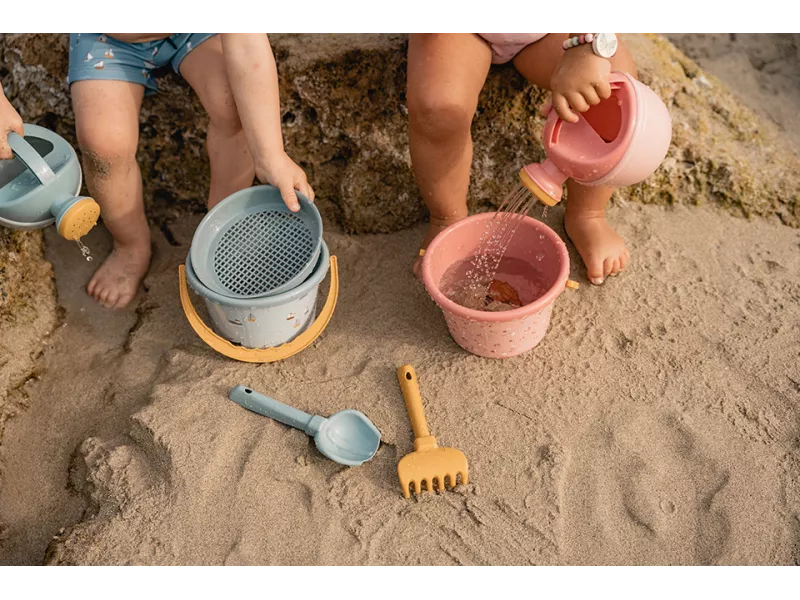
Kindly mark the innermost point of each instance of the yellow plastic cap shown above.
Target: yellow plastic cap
(534, 189)
(79, 219)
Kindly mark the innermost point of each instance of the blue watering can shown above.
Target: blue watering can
(40, 185)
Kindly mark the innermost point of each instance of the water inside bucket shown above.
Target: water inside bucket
(461, 286)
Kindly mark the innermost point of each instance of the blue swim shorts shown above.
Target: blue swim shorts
(98, 56)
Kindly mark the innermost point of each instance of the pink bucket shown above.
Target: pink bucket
(509, 333)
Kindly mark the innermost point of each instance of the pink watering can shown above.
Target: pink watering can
(619, 142)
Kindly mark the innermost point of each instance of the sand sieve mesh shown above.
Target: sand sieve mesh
(251, 245)
(262, 251)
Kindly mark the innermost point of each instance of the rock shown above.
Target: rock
(345, 122)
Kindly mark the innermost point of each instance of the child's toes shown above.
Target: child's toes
(595, 272)
(105, 298)
(608, 266)
(615, 268)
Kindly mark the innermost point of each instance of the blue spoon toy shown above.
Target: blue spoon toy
(347, 437)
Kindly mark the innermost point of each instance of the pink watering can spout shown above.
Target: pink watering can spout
(544, 180)
(619, 142)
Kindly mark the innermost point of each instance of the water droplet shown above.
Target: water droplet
(87, 254)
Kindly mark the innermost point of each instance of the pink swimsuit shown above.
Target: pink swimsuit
(505, 46)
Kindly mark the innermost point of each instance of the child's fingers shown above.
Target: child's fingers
(306, 189)
(590, 95)
(289, 197)
(17, 127)
(576, 102)
(603, 89)
(562, 109)
(5, 149)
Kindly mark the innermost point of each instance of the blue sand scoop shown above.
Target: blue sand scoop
(347, 437)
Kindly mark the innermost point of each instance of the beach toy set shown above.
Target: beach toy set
(349, 438)
(620, 141)
(41, 185)
(258, 267)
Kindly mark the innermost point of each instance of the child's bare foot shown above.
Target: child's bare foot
(602, 250)
(117, 280)
(435, 227)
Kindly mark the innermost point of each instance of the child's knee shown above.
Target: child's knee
(103, 150)
(437, 115)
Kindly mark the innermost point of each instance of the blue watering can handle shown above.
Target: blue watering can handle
(268, 407)
(31, 158)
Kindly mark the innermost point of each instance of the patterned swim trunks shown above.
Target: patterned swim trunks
(99, 56)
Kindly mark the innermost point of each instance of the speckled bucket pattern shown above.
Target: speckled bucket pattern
(499, 340)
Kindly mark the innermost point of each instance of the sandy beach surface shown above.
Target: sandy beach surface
(657, 422)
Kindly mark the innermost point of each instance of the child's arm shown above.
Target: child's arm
(580, 80)
(9, 121)
(254, 80)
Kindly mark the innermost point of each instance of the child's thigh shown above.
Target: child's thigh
(204, 70)
(107, 116)
(446, 69)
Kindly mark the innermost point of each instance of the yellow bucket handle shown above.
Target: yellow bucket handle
(261, 355)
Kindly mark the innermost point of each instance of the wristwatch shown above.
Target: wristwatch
(605, 44)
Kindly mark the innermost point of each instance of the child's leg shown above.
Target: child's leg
(601, 248)
(445, 75)
(107, 123)
(232, 167)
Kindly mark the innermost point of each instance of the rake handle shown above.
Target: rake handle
(410, 388)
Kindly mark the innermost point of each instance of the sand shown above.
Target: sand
(657, 422)
(761, 69)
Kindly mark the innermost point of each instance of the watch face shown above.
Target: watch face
(605, 44)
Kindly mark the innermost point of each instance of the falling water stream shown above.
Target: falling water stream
(476, 285)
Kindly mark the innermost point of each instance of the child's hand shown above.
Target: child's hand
(287, 176)
(580, 80)
(9, 121)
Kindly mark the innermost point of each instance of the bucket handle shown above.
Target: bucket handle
(30, 158)
(261, 355)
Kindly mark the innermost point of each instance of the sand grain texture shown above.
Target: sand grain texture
(656, 423)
